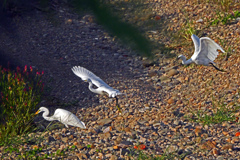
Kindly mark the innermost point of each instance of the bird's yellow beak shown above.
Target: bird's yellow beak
(85, 80)
(37, 112)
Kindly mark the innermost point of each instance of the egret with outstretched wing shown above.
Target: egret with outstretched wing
(102, 87)
(205, 52)
(62, 115)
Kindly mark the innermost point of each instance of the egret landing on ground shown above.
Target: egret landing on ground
(62, 115)
(102, 87)
(205, 52)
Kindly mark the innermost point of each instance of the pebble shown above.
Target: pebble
(172, 72)
(105, 121)
(220, 158)
(199, 21)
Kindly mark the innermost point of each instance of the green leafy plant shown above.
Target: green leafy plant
(20, 94)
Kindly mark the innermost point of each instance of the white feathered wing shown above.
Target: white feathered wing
(85, 74)
(205, 50)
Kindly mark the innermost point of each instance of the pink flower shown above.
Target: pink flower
(29, 88)
(25, 68)
(31, 68)
(42, 72)
(25, 90)
(38, 73)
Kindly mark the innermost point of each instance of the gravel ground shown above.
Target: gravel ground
(162, 98)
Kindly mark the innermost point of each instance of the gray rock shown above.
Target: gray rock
(105, 121)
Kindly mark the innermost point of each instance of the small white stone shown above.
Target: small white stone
(199, 21)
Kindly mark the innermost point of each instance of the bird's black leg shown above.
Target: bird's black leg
(217, 68)
(118, 105)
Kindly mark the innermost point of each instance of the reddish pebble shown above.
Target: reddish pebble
(237, 134)
(157, 18)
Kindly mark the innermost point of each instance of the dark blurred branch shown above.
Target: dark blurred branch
(124, 31)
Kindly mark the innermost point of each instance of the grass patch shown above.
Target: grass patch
(224, 5)
(220, 116)
(224, 18)
(33, 153)
(188, 29)
(139, 154)
(221, 113)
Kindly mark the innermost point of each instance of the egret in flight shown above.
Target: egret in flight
(205, 52)
(62, 115)
(102, 87)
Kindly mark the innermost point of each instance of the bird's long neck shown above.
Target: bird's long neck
(45, 116)
(185, 62)
(92, 89)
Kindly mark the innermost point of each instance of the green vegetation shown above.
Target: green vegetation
(33, 153)
(20, 94)
(187, 31)
(225, 18)
(140, 155)
(222, 113)
(224, 4)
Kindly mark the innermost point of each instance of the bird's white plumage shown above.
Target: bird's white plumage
(63, 116)
(87, 75)
(205, 51)
(196, 42)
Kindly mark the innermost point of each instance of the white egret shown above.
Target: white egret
(62, 115)
(205, 52)
(102, 87)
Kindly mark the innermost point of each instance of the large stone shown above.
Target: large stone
(105, 121)
(172, 72)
